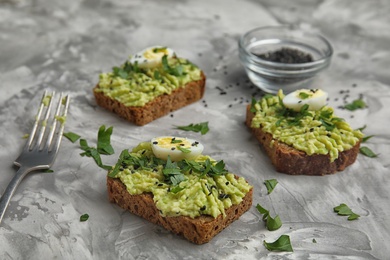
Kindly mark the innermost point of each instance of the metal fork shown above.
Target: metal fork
(42, 146)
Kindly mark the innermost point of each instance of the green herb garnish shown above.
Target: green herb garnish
(282, 244)
(271, 223)
(252, 108)
(161, 49)
(104, 140)
(72, 136)
(356, 104)
(367, 152)
(203, 128)
(344, 210)
(103, 147)
(176, 141)
(270, 184)
(366, 138)
(303, 95)
(176, 189)
(92, 152)
(172, 172)
(183, 149)
(84, 217)
(157, 75)
(178, 70)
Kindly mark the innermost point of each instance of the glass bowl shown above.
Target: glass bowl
(270, 76)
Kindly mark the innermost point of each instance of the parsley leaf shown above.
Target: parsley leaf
(72, 136)
(356, 104)
(172, 172)
(281, 244)
(92, 152)
(367, 152)
(344, 210)
(157, 75)
(366, 138)
(84, 217)
(253, 109)
(271, 223)
(178, 70)
(270, 184)
(203, 127)
(103, 140)
(184, 150)
(303, 95)
(161, 49)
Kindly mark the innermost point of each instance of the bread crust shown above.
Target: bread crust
(156, 108)
(287, 159)
(198, 230)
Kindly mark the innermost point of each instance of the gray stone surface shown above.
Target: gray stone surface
(64, 45)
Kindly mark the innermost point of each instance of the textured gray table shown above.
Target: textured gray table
(64, 45)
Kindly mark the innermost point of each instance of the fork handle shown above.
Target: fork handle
(10, 190)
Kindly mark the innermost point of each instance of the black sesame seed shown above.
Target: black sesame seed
(230, 105)
(173, 148)
(203, 208)
(155, 142)
(227, 183)
(160, 184)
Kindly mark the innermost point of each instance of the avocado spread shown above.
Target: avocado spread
(134, 86)
(311, 131)
(186, 188)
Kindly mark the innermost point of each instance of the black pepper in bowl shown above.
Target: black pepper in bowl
(286, 55)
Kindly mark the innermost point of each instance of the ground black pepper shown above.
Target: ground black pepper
(286, 55)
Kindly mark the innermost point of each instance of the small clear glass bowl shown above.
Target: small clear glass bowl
(271, 76)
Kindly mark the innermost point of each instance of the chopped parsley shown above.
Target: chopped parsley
(252, 108)
(84, 217)
(172, 173)
(103, 147)
(104, 140)
(72, 136)
(271, 223)
(177, 71)
(356, 104)
(367, 152)
(282, 244)
(270, 184)
(344, 210)
(203, 127)
(183, 149)
(161, 49)
(303, 95)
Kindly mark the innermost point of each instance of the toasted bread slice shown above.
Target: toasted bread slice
(158, 107)
(287, 159)
(198, 230)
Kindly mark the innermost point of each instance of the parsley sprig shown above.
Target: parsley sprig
(173, 171)
(356, 104)
(281, 244)
(270, 184)
(271, 223)
(103, 146)
(203, 127)
(125, 70)
(178, 70)
(344, 210)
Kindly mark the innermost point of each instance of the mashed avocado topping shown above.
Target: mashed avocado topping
(135, 86)
(186, 188)
(314, 132)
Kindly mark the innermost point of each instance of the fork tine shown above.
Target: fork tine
(36, 123)
(60, 113)
(42, 131)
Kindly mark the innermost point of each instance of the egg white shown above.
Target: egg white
(315, 98)
(165, 146)
(151, 56)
